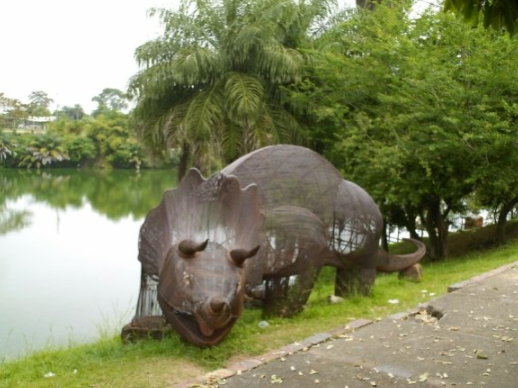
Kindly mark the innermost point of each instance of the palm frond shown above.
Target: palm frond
(244, 96)
(172, 125)
(282, 64)
(232, 145)
(204, 113)
(195, 65)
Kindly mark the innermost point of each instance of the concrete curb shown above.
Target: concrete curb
(485, 275)
(210, 379)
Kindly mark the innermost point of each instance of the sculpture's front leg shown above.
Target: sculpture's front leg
(287, 296)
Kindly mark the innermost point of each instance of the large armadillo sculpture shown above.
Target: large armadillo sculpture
(263, 227)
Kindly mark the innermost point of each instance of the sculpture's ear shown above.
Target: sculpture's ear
(239, 256)
(192, 178)
(188, 247)
(240, 211)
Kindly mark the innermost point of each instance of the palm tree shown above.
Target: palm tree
(5, 152)
(212, 85)
(44, 150)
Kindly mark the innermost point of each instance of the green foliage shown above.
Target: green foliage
(106, 141)
(422, 117)
(114, 140)
(127, 155)
(496, 13)
(80, 148)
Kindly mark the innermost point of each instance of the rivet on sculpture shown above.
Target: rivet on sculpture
(262, 227)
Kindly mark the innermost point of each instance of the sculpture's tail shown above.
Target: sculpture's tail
(387, 262)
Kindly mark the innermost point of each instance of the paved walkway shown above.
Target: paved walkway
(467, 338)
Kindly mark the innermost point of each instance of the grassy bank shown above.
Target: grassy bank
(150, 364)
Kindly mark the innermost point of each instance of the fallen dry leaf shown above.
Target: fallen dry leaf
(424, 377)
(275, 379)
(346, 337)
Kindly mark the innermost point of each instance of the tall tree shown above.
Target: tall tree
(73, 113)
(12, 111)
(39, 103)
(420, 112)
(497, 190)
(211, 85)
(110, 100)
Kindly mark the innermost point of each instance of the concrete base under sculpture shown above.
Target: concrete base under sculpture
(414, 273)
(151, 327)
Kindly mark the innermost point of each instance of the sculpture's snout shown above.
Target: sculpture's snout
(218, 306)
(214, 314)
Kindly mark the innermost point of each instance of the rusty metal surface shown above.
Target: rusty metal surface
(198, 248)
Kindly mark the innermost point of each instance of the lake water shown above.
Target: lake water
(68, 253)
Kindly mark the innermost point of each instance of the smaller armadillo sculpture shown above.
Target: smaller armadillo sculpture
(263, 228)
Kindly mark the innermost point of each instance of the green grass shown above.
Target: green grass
(149, 364)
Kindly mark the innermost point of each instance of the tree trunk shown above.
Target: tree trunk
(410, 216)
(367, 4)
(184, 162)
(437, 228)
(384, 236)
(502, 219)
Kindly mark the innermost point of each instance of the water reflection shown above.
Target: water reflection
(13, 220)
(68, 252)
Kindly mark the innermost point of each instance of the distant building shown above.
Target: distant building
(35, 124)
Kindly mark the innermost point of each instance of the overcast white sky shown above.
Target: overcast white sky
(72, 49)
